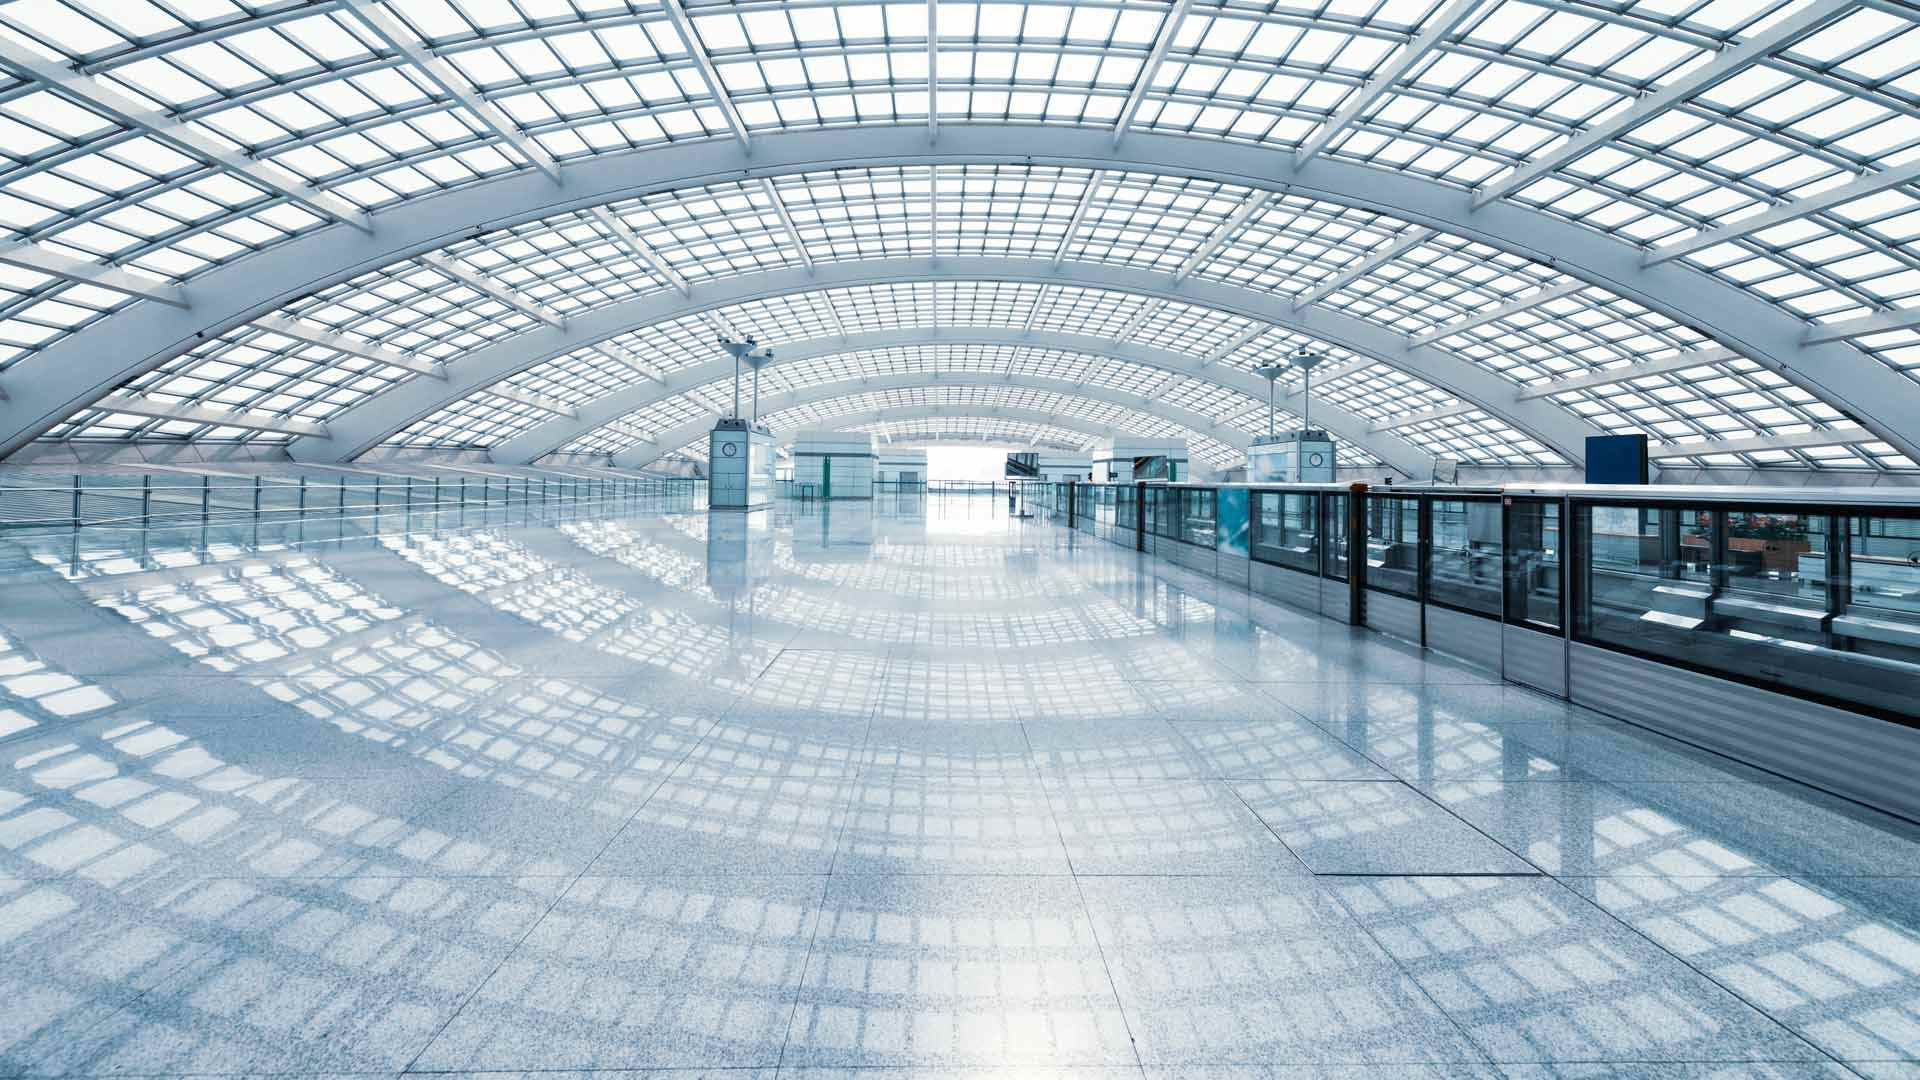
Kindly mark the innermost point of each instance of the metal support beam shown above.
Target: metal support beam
(536, 401)
(677, 14)
(1725, 66)
(821, 393)
(52, 383)
(300, 330)
(610, 408)
(1458, 408)
(1438, 28)
(1090, 433)
(1885, 322)
(1228, 229)
(623, 356)
(486, 286)
(1094, 182)
(1526, 303)
(66, 268)
(933, 69)
(1234, 344)
(179, 134)
(1407, 241)
(1628, 373)
(786, 220)
(356, 431)
(1859, 188)
(1800, 441)
(449, 80)
(1141, 82)
(139, 405)
(641, 250)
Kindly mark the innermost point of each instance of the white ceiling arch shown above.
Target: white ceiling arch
(360, 429)
(958, 397)
(562, 431)
(53, 382)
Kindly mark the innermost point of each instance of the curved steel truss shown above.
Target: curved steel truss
(1675, 254)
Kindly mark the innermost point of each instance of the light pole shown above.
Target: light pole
(756, 356)
(1270, 372)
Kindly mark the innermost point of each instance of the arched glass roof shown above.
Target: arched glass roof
(342, 224)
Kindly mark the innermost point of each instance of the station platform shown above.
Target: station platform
(906, 785)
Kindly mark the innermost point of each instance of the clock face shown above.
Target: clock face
(728, 449)
(1316, 458)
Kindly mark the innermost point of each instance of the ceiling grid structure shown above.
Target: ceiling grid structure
(1510, 223)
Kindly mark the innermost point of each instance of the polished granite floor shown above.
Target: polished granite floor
(919, 789)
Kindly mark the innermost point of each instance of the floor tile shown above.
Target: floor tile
(1361, 827)
(1535, 973)
(947, 748)
(1116, 749)
(1163, 827)
(1277, 747)
(1259, 970)
(643, 973)
(934, 971)
(353, 974)
(705, 821)
(1831, 958)
(915, 822)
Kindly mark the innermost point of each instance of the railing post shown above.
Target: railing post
(256, 511)
(76, 502)
(300, 513)
(146, 504)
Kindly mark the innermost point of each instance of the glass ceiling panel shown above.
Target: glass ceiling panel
(312, 90)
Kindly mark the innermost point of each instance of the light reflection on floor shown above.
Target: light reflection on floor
(827, 788)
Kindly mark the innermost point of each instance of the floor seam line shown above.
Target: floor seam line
(1093, 925)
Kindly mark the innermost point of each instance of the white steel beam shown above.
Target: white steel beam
(1228, 229)
(641, 250)
(98, 97)
(1726, 65)
(86, 272)
(677, 13)
(1612, 376)
(140, 405)
(1458, 408)
(532, 400)
(1407, 241)
(1884, 322)
(300, 330)
(487, 286)
(1147, 311)
(449, 80)
(50, 384)
(1860, 187)
(843, 389)
(1234, 344)
(933, 69)
(1161, 43)
(1251, 389)
(786, 220)
(1807, 440)
(1443, 23)
(625, 357)
(1526, 303)
(1094, 182)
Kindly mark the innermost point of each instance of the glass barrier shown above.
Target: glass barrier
(1199, 515)
(1532, 552)
(1393, 544)
(1333, 553)
(1463, 555)
(1286, 529)
(1126, 506)
(1820, 603)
